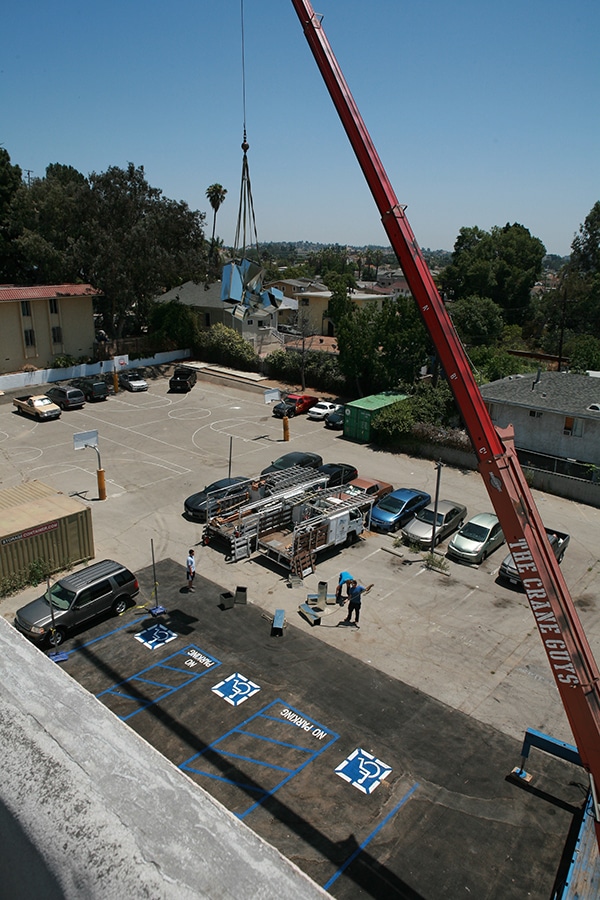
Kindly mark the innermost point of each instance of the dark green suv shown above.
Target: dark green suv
(93, 388)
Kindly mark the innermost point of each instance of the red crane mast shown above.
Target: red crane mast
(569, 654)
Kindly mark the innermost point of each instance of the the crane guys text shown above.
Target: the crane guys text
(550, 631)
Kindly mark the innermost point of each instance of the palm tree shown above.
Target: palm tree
(215, 195)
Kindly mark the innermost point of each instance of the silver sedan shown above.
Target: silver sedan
(419, 530)
(478, 537)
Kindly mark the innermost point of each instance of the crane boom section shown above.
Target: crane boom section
(569, 654)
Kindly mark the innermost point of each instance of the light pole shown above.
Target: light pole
(438, 468)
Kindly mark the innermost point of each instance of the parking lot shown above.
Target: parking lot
(438, 685)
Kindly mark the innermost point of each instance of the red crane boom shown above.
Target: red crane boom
(569, 654)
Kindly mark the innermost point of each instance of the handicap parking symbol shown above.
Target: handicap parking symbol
(363, 770)
(236, 689)
(155, 636)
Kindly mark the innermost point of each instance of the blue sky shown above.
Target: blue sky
(482, 112)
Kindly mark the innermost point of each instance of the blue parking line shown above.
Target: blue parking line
(261, 737)
(192, 654)
(257, 762)
(288, 718)
(96, 639)
(370, 837)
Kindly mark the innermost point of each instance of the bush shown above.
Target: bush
(228, 348)
(34, 573)
(321, 370)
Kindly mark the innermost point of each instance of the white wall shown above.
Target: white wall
(24, 380)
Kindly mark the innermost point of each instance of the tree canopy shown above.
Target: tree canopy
(502, 264)
(111, 229)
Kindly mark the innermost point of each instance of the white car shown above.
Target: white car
(322, 409)
(131, 380)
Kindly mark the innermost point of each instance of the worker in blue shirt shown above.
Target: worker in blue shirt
(355, 592)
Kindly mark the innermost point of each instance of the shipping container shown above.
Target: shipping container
(359, 414)
(42, 529)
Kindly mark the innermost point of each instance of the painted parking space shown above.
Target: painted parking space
(259, 755)
(367, 784)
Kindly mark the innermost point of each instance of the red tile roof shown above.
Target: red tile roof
(46, 291)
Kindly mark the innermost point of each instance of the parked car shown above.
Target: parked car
(322, 409)
(509, 572)
(92, 388)
(132, 380)
(369, 487)
(397, 508)
(66, 397)
(182, 379)
(38, 406)
(335, 419)
(294, 405)
(338, 473)
(78, 598)
(203, 504)
(295, 458)
(477, 538)
(419, 530)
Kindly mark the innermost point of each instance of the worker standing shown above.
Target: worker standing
(190, 566)
(355, 592)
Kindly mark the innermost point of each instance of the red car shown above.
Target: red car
(294, 405)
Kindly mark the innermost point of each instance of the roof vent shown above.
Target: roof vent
(595, 407)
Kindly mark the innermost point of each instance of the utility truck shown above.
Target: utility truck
(290, 526)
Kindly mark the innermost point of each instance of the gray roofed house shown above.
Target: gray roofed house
(552, 413)
(258, 330)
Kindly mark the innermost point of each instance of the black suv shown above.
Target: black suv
(106, 586)
(182, 379)
(66, 397)
(93, 388)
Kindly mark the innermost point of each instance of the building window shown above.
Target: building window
(53, 302)
(535, 413)
(25, 308)
(573, 427)
(304, 301)
(57, 334)
(29, 337)
(207, 319)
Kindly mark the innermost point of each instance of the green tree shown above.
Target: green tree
(173, 325)
(492, 363)
(10, 182)
(478, 321)
(139, 243)
(330, 259)
(573, 308)
(503, 265)
(583, 352)
(49, 217)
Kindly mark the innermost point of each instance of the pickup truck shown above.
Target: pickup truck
(182, 379)
(559, 542)
(38, 406)
(294, 405)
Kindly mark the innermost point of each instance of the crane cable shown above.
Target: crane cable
(246, 222)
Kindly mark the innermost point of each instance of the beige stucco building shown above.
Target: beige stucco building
(313, 302)
(39, 323)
